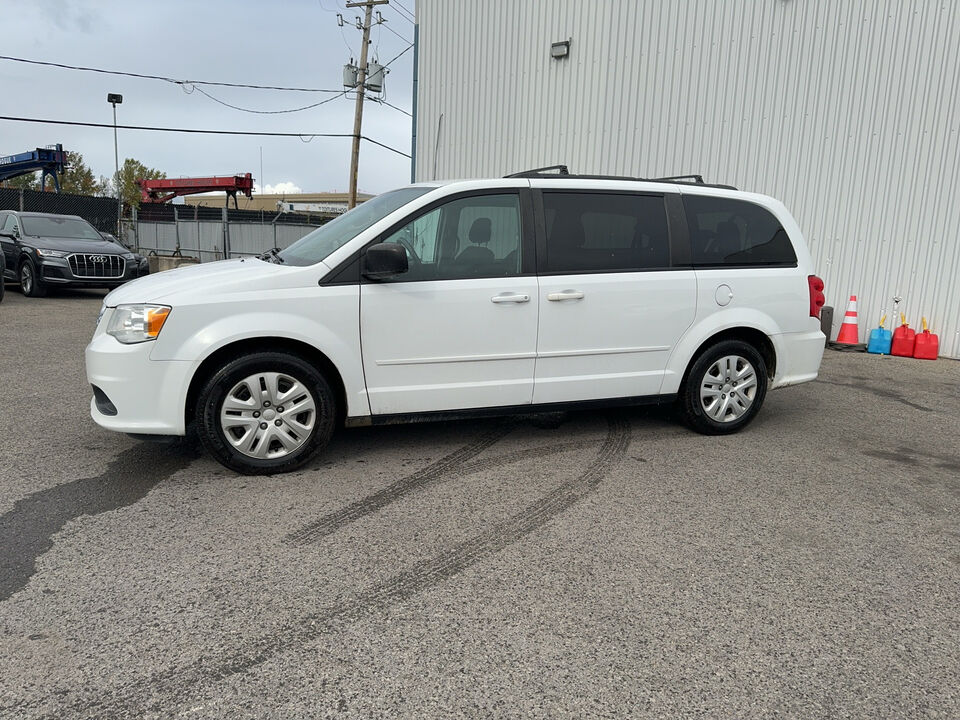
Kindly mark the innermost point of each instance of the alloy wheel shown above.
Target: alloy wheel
(26, 278)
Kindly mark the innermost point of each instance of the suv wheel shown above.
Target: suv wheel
(30, 283)
(266, 413)
(725, 388)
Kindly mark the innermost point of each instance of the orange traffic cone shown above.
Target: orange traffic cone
(849, 334)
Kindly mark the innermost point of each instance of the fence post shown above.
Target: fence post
(176, 227)
(226, 234)
(21, 199)
(274, 223)
(135, 226)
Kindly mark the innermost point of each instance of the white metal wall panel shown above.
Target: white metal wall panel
(847, 110)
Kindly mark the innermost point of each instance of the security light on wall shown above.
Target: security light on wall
(560, 49)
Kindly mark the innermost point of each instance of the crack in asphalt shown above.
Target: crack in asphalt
(176, 686)
(27, 530)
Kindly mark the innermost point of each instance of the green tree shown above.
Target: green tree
(78, 178)
(31, 181)
(131, 171)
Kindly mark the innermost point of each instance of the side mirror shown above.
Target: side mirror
(384, 260)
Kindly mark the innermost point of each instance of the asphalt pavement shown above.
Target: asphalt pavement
(594, 564)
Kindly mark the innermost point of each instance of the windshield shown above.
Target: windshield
(58, 227)
(316, 246)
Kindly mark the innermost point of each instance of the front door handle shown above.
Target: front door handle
(565, 295)
(510, 298)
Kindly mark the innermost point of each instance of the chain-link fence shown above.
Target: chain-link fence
(208, 233)
(101, 212)
(214, 233)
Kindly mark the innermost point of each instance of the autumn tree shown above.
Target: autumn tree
(30, 181)
(78, 178)
(131, 171)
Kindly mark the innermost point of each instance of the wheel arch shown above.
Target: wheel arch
(750, 335)
(245, 346)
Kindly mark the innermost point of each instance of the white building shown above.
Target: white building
(847, 110)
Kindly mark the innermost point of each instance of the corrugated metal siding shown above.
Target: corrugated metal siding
(847, 110)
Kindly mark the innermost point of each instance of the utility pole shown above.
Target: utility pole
(116, 99)
(361, 80)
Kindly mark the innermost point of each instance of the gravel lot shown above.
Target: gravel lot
(601, 564)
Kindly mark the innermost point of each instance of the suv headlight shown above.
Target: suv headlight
(137, 323)
(50, 253)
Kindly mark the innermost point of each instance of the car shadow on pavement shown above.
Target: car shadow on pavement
(27, 530)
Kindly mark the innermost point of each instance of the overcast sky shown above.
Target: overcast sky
(289, 43)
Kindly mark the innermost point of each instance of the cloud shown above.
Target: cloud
(284, 188)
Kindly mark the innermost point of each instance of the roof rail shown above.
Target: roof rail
(698, 179)
(537, 172)
(564, 173)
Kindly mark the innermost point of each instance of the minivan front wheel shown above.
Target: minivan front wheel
(266, 413)
(725, 388)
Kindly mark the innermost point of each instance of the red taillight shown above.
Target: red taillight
(817, 298)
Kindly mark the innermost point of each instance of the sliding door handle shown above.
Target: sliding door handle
(565, 295)
(510, 298)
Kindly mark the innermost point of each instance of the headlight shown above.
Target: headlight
(137, 323)
(50, 253)
(128, 256)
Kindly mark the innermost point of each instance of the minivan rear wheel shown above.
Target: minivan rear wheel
(266, 413)
(725, 388)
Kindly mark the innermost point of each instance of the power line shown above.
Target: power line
(398, 56)
(258, 133)
(175, 81)
(386, 25)
(412, 18)
(266, 112)
(384, 102)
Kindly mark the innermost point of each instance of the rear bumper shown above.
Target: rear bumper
(798, 357)
(148, 396)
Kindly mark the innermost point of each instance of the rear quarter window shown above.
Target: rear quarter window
(728, 232)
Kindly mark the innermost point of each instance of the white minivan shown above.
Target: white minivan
(534, 292)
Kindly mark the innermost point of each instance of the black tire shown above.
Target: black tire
(693, 407)
(30, 283)
(211, 399)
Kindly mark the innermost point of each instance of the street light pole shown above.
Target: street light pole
(116, 99)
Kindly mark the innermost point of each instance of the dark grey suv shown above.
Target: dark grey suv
(42, 250)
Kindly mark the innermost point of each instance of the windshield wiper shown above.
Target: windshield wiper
(272, 255)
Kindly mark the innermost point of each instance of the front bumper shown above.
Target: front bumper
(148, 396)
(57, 271)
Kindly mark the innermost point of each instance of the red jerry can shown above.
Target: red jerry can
(928, 345)
(904, 338)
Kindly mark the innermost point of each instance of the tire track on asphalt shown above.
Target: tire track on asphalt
(328, 524)
(177, 686)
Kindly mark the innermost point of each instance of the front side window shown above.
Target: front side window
(317, 245)
(724, 232)
(601, 232)
(59, 227)
(466, 238)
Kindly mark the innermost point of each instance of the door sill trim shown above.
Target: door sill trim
(527, 409)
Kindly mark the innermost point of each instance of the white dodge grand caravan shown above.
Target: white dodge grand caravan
(537, 291)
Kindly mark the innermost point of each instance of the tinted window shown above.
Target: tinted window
(597, 232)
(735, 232)
(466, 238)
(59, 227)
